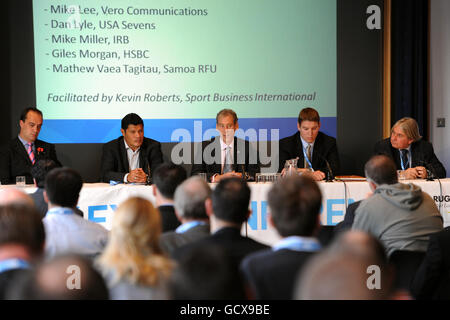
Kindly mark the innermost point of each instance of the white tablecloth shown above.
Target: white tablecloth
(99, 200)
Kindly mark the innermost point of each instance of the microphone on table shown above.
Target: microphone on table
(149, 178)
(245, 175)
(430, 170)
(329, 174)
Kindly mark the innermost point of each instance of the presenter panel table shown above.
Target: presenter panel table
(98, 202)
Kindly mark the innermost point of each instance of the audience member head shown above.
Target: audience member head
(30, 124)
(68, 277)
(404, 132)
(308, 124)
(206, 273)
(21, 225)
(14, 195)
(133, 250)
(190, 197)
(355, 267)
(381, 170)
(295, 205)
(40, 170)
(133, 130)
(230, 201)
(227, 124)
(62, 187)
(167, 177)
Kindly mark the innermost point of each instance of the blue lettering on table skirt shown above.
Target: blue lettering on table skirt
(93, 209)
(253, 220)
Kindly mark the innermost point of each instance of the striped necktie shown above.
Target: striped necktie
(30, 152)
(308, 155)
(228, 164)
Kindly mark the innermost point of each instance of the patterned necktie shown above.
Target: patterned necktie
(227, 166)
(308, 155)
(404, 155)
(30, 152)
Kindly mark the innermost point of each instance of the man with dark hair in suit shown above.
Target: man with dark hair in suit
(39, 172)
(228, 210)
(130, 158)
(166, 179)
(410, 152)
(22, 239)
(225, 155)
(312, 148)
(206, 273)
(189, 199)
(294, 212)
(17, 158)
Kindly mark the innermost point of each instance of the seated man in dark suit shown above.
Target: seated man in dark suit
(226, 155)
(312, 148)
(166, 179)
(410, 152)
(39, 172)
(132, 157)
(190, 197)
(294, 206)
(227, 211)
(17, 158)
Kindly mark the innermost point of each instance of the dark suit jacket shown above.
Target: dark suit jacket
(8, 281)
(324, 147)
(272, 274)
(348, 219)
(422, 154)
(239, 160)
(432, 280)
(229, 238)
(169, 220)
(115, 161)
(14, 160)
(39, 202)
(169, 241)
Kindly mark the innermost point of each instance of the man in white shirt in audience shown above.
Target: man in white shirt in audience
(65, 230)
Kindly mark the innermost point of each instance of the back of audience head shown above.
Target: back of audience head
(14, 195)
(68, 277)
(190, 197)
(206, 273)
(355, 267)
(133, 250)
(167, 177)
(22, 225)
(230, 200)
(380, 170)
(40, 170)
(63, 186)
(295, 206)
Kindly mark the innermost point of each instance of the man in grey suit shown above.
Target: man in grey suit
(189, 200)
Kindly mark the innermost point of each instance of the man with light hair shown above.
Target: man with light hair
(226, 156)
(341, 271)
(189, 200)
(15, 196)
(410, 152)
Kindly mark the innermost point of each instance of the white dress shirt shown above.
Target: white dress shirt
(133, 159)
(67, 232)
